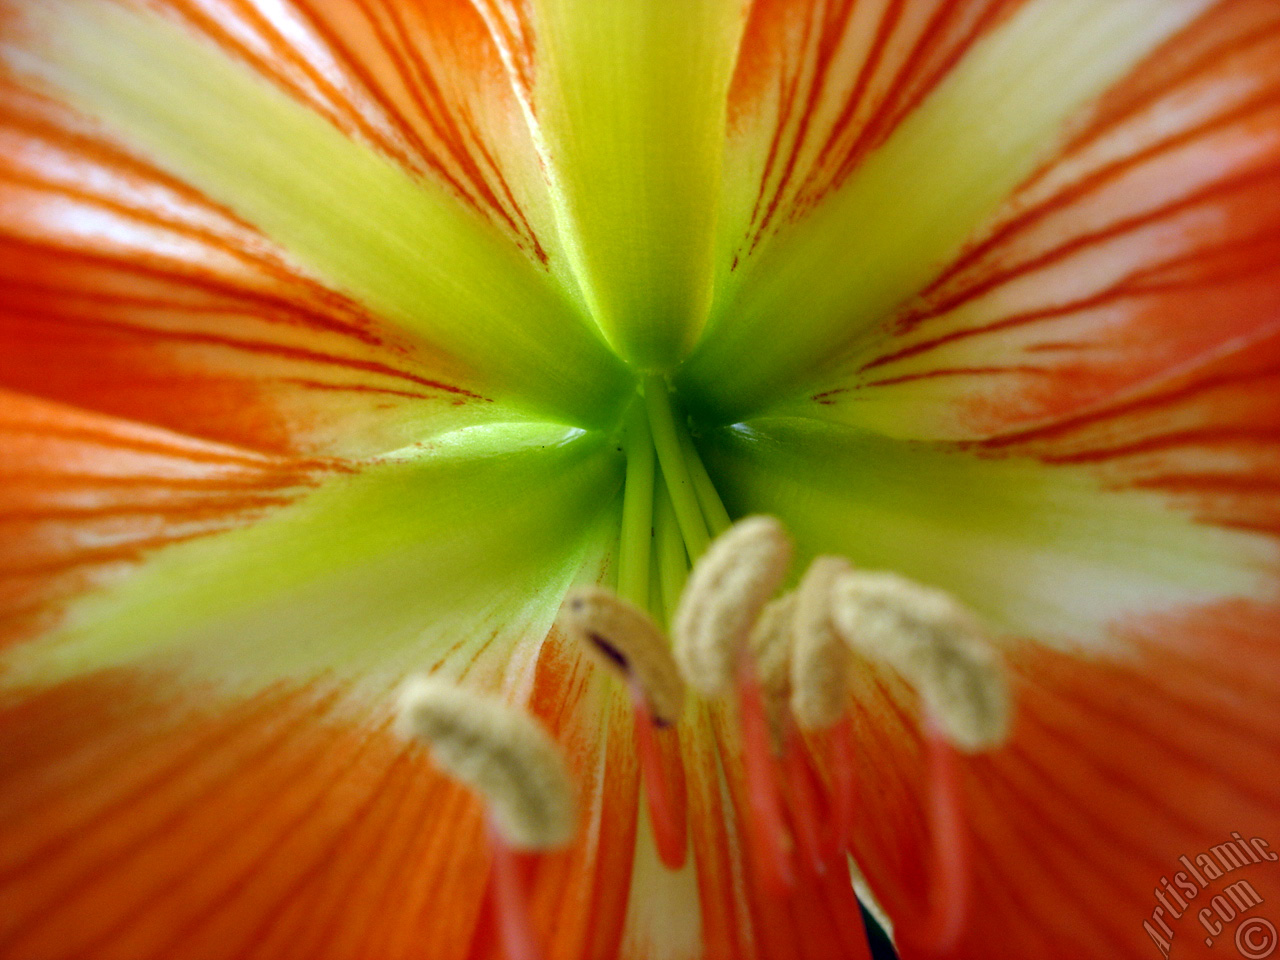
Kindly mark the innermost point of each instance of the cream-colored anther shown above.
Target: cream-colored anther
(503, 753)
(625, 638)
(727, 589)
(937, 645)
(819, 655)
(770, 648)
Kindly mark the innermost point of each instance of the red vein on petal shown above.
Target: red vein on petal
(321, 902)
(320, 859)
(152, 791)
(1215, 191)
(260, 347)
(1092, 184)
(1199, 67)
(261, 305)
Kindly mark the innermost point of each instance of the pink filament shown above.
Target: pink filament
(949, 895)
(510, 900)
(844, 795)
(669, 827)
(765, 820)
(807, 814)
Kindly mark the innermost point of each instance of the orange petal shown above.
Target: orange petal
(143, 818)
(138, 262)
(143, 821)
(579, 897)
(413, 80)
(1207, 439)
(84, 496)
(832, 80)
(1115, 771)
(1097, 278)
(124, 290)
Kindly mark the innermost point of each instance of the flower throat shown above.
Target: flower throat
(784, 664)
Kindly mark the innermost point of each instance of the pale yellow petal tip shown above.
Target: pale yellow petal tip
(626, 639)
(937, 645)
(727, 590)
(501, 752)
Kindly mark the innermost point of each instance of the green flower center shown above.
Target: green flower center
(671, 510)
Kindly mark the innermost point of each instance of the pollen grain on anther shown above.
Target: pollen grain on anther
(501, 752)
(937, 645)
(727, 590)
(628, 641)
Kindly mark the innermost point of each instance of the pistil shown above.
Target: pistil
(635, 542)
(675, 467)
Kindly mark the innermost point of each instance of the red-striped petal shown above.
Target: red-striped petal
(1208, 439)
(145, 818)
(140, 824)
(838, 77)
(124, 290)
(327, 263)
(1148, 246)
(413, 80)
(1115, 771)
(868, 142)
(83, 497)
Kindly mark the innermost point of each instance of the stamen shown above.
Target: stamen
(499, 751)
(801, 657)
(938, 645)
(666, 813)
(627, 641)
(510, 760)
(728, 588)
(771, 646)
(508, 896)
(726, 593)
(941, 648)
(820, 657)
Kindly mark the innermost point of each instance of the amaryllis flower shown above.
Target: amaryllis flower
(340, 339)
